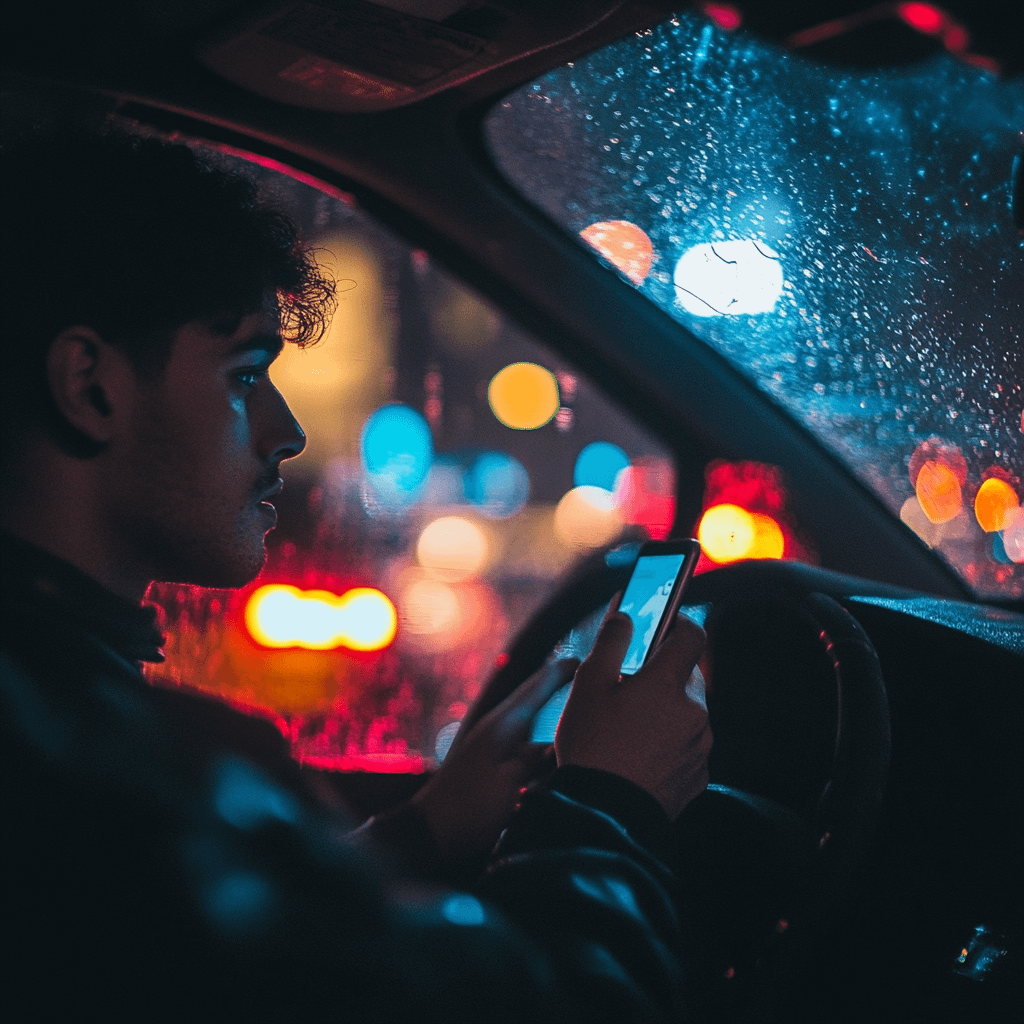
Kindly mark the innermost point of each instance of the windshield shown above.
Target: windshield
(844, 238)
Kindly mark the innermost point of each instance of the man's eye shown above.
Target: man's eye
(250, 376)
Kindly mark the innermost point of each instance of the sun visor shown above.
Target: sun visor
(353, 55)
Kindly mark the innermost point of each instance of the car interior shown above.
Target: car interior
(617, 271)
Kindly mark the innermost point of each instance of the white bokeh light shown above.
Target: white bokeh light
(731, 278)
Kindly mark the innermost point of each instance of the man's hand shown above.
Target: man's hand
(651, 728)
(470, 798)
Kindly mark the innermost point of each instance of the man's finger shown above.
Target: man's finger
(603, 664)
(681, 648)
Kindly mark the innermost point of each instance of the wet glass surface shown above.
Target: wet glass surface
(844, 238)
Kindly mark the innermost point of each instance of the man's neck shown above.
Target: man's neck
(94, 564)
(50, 508)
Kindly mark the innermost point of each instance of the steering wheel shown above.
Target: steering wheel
(802, 740)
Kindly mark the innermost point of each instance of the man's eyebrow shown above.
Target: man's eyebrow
(269, 342)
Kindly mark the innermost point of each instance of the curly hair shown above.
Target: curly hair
(135, 237)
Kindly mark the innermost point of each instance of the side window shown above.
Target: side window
(455, 471)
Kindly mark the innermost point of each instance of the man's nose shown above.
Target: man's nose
(286, 437)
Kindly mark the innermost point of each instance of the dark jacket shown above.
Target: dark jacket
(163, 859)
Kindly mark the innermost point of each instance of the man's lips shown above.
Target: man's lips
(272, 491)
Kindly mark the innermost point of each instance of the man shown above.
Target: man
(165, 858)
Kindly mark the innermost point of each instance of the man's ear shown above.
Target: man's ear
(86, 377)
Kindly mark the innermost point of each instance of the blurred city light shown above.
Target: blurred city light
(1013, 536)
(935, 449)
(726, 533)
(599, 465)
(397, 450)
(625, 246)
(441, 617)
(645, 494)
(932, 533)
(453, 548)
(769, 541)
(994, 503)
(523, 396)
(588, 517)
(497, 484)
(430, 607)
(923, 17)
(746, 515)
(733, 278)
(938, 491)
(361, 619)
(725, 16)
(333, 386)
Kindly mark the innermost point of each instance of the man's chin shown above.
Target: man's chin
(220, 574)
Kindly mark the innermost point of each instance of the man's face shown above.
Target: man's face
(202, 457)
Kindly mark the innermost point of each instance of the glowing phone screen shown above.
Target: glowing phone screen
(644, 602)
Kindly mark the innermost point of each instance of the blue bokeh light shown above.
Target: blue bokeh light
(599, 464)
(999, 550)
(397, 449)
(497, 484)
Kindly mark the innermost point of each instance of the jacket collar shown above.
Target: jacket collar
(32, 574)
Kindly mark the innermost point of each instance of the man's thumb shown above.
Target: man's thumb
(605, 658)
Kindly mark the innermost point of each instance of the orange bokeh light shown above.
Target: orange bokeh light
(523, 396)
(994, 503)
(938, 491)
(937, 450)
(623, 245)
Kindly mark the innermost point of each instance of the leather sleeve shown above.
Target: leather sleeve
(577, 887)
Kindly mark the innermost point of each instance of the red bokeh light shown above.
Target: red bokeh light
(955, 38)
(923, 17)
(725, 16)
(645, 498)
(387, 764)
(759, 489)
(985, 63)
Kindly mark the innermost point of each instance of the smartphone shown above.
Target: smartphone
(654, 594)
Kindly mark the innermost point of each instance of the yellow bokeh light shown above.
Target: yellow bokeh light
(938, 491)
(588, 517)
(769, 541)
(361, 619)
(994, 503)
(727, 533)
(624, 245)
(334, 385)
(523, 396)
(453, 548)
